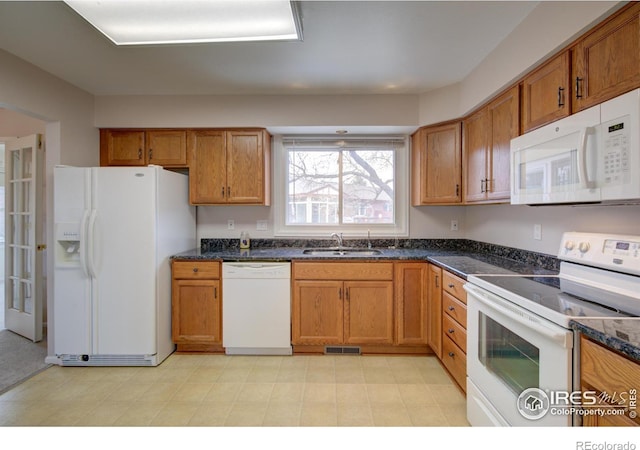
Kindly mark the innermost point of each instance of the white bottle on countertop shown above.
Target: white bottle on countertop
(245, 240)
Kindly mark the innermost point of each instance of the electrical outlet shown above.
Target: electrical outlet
(230, 224)
(454, 225)
(261, 225)
(537, 232)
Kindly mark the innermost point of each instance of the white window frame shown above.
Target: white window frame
(401, 201)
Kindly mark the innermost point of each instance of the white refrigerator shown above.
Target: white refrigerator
(115, 229)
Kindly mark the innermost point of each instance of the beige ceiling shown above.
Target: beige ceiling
(349, 47)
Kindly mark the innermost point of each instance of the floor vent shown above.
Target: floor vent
(342, 350)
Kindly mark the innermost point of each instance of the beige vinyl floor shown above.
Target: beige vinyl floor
(254, 391)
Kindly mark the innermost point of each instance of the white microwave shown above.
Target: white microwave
(589, 157)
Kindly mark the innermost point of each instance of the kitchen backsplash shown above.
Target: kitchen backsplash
(466, 246)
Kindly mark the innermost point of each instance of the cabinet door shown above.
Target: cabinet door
(207, 167)
(546, 93)
(412, 316)
(504, 116)
(196, 312)
(368, 312)
(606, 61)
(122, 148)
(436, 163)
(317, 312)
(475, 144)
(434, 308)
(245, 167)
(167, 147)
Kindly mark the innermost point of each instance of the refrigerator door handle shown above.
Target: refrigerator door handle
(91, 236)
(83, 243)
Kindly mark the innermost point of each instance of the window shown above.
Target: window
(354, 185)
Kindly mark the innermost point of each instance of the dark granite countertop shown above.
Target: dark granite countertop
(622, 335)
(461, 257)
(458, 262)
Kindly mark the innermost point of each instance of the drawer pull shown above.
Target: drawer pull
(451, 285)
(451, 330)
(452, 354)
(195, 270)
(451, 308)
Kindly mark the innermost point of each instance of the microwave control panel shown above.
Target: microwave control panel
(616, 152)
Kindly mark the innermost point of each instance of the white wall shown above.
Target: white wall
(550, 26)
(70, 136)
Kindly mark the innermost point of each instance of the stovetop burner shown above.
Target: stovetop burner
(543, 296)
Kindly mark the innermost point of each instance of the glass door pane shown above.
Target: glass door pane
(510, 357)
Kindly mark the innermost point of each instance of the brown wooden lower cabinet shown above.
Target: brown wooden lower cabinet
(609, 375)
(196, 306)
(378, 306)
(454, 327)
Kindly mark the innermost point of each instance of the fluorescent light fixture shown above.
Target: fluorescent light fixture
(149, 22)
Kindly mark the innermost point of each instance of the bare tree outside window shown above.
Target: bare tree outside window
(341, 185)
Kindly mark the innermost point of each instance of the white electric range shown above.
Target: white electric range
(521, 350)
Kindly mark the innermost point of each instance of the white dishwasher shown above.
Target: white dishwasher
(256, 308)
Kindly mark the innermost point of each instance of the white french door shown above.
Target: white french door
(23, 220)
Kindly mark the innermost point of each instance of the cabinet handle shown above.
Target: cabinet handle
(451, 308)
(452, 354)
(482, 186)
(340, 294)
(578, 90)
(195, 270)
(560, 96)
(222, 191)
(450, 330)
(215, 292)
(437, 281)
(150, 153)
(347, 292)
(486, 184)
(451, 285)
(139, 153)
(228, 192)
(457, 190)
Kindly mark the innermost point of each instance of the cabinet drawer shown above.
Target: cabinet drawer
(606, 370)
(453, 285)
(378, 271)
(455, 309)
(195, 270)
(456, 332)
(455, 360)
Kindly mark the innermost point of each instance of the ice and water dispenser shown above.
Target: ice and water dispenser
(67, 244)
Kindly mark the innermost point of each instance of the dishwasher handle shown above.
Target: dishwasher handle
(251, 270)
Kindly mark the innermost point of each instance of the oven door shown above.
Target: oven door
(514, 360)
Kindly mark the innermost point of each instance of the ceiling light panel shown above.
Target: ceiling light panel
(147, 22)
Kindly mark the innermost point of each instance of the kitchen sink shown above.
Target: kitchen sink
(333, 251)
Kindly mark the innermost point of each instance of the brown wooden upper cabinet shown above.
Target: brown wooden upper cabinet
(129, 147)
(436, 156)
(546, 93)
(229, 167)
(606, 61)
(486, 142)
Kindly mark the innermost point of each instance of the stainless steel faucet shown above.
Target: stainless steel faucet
(338, 237)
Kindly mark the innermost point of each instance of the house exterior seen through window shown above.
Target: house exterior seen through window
(346, 184)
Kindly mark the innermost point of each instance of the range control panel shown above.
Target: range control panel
(615, 252)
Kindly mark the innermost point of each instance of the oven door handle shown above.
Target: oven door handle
(519, 315)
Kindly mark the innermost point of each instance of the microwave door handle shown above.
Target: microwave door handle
(582, 159)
